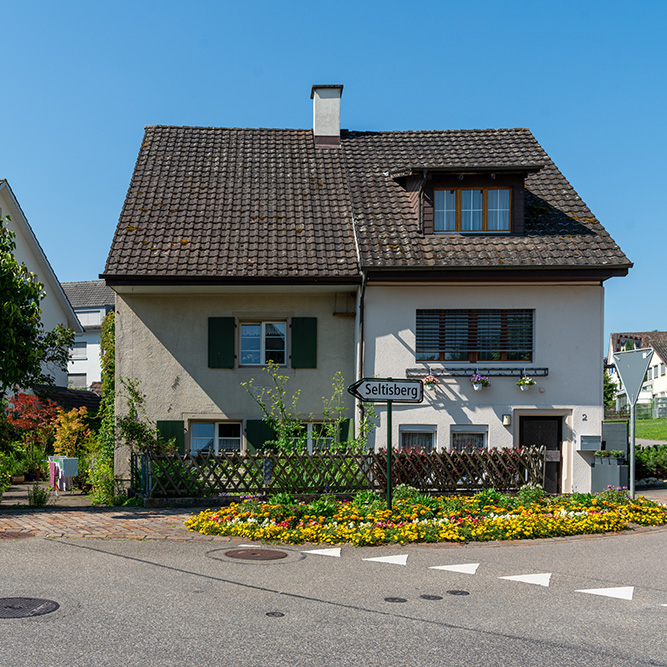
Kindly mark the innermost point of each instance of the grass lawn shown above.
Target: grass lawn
(653, 429)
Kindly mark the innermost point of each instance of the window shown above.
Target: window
(77, 381)
(662, 369)
(213, 438)
(90, 318)
(317, 437)
(466, 437)
(78, 351)
(649, 375)
(472, 210)
(262, 342)
(474, 335)
(417, 436)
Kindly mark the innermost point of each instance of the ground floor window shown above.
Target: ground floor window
(318, 436)
(77, 381)
(215, 437)
(417, 436)
(469, 437)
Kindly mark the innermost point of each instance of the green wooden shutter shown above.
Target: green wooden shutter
(221, 342)
(304, 342)
(346, 430)
(257, 432)
(173, 430)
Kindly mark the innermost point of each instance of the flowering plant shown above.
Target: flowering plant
(480, 379)
(525, 381)
(430, 380)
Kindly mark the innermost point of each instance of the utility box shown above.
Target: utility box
(590, 443)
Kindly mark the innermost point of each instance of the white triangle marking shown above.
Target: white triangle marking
(335, 552)
(542, 579)
(621, 592)
(395, 560)
(465, 568)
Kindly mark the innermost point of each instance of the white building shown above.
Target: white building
(92, 300)
(56, 309)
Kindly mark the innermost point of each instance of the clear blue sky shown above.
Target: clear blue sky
(80, 79)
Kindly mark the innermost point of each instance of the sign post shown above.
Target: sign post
(632, 367)
(381, 390)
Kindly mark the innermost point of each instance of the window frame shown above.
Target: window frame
(485, 210)
(262, 351)
(472, 334)
(82, 346)
(418, 429)
(469, 430)
(216, 437)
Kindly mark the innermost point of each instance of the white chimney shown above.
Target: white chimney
(326, 114)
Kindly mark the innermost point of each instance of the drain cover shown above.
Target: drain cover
(14, 535)
(25, 607)
(256, 554)
(431, 597)
(395, 600)
(275, 614)
(458, 593)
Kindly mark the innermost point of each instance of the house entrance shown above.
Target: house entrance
(547, 431)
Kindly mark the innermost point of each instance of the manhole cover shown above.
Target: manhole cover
(256, 554)
(431, 597)
(275, 614)
(458, 593)
(14, 535)
(25, 607)
(395, 600)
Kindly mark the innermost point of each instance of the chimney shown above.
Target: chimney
(326, 115)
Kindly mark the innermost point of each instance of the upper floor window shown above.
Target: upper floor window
(472, 210)
(263, 342)
(79, 351)
(474, 335)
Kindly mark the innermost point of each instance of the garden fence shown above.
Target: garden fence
(268, 472)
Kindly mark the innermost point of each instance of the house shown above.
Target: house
(655, 383)
(389, 254)
(92, 300)
(56, 309)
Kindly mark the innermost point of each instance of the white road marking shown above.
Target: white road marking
(335, 552)
(465, 568)
(394, 560)
(621, 592)
(542, 579)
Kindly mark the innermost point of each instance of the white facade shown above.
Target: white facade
(568, 335)
(55, 307)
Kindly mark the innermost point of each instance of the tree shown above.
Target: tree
(608, 391)
(25, 348)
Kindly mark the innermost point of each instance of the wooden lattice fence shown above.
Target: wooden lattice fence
(322, 472)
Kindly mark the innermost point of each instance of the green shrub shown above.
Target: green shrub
(652, 461)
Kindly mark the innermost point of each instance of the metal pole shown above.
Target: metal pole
(632, 452)
(389, 454)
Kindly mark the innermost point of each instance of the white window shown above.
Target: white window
(262, 342)
(466, 437)
(77, 381)
(417, 436)
(212, 438)
(650, 374)
(78, 351)
(317, 436)
(662, 369)
(89, 318)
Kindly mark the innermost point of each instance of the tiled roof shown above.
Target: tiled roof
(560, 230)
(655, 339)
(209, 203)
(89, 294)
(223, 204)
(68, 399)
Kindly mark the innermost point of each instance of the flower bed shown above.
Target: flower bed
(489, 515)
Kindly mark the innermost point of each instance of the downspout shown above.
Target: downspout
(361, 347)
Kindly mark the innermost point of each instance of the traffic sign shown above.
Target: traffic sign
(382, 390)
(632, 367)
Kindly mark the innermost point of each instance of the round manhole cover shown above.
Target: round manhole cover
(395, 600)
(14, 535)
(256, 554)
(431, 597)
(458, 592)
(25, 607)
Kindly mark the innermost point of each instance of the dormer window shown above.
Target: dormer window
(472, 210)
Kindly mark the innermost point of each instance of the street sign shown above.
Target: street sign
(382, 390)
(632, 367)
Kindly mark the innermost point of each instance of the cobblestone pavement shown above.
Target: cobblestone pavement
(133, 524)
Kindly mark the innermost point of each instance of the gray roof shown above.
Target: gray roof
(216, 204)
(89, 294)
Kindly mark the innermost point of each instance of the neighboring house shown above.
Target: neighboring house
(389, 254)
(56, 309)
(92, 300)
(655, 383)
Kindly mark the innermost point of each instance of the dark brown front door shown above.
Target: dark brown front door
(547, 431)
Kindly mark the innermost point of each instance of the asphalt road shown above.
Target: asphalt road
(125, 602)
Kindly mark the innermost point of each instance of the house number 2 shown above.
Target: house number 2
(584, 417)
